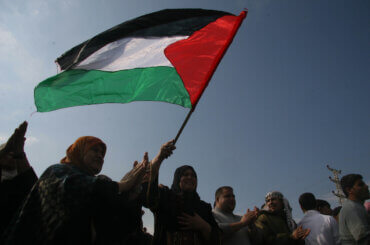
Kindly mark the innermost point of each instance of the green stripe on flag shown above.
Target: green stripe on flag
(85, 87)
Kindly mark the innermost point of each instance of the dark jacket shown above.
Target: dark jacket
(68, 206)
(273, 230)
(167, 206)
(12, 194)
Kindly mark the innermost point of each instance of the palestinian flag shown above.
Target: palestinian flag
(167, 56)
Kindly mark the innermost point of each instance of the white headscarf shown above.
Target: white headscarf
(286, 207)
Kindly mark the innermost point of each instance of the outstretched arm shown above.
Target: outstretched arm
(165, 151)
(150, 187)
(247, 219)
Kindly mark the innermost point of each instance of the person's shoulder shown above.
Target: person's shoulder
(303, 220)
(329, 218)
(263, 215)
(55, 168)
(216, 213)
(205, 204)
(348, 204)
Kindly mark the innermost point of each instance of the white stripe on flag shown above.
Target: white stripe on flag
(129, 53)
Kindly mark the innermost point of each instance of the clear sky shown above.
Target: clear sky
(290, 96)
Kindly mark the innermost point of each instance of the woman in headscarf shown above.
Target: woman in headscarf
(180, 216)
(69, 204)
(275, 223)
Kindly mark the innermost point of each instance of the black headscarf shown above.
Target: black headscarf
(177, 176)
(174, 203)
(188, 200)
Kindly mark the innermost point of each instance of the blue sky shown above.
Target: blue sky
(290, 96)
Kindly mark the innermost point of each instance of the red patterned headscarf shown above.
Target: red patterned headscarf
(76, 152)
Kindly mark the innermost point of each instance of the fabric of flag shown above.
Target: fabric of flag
(166, 56)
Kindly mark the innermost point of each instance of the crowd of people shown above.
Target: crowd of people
(70, 203)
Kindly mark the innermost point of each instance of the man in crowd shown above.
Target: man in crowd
(16, 175)
(324, 228)
(234, 227)
(323, 207)
(353, 219)
(276, 225)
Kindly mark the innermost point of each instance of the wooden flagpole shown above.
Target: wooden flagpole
(183, 125)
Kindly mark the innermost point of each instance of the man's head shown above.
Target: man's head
(354, 187)
(323, 207)
(274, 201)
(225, 199)
(307, 201)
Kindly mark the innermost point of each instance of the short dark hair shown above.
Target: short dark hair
(220, 190)
(321, 203)
(348, 181)
(307, 201)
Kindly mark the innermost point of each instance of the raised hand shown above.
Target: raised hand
(166, 149)
(250, 216)
(12, 156)
(15, 143)
(134, 176)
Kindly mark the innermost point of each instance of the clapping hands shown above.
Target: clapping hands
(250, 216)
(136, 174)
(141, 171)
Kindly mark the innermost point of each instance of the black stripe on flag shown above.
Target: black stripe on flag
(165, 23)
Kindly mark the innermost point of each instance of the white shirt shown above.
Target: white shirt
(354, 223)
(324, 228)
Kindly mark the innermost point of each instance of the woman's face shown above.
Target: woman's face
(94, 159)
(188, 181)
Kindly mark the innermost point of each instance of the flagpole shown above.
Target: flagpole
(183, 125)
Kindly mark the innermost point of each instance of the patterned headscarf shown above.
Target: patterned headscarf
(286, 208)
(76, 152)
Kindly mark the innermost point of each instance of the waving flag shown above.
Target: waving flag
(166, 56)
